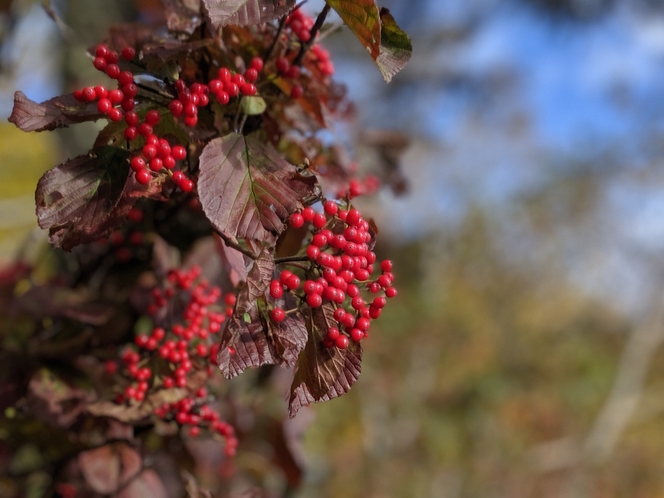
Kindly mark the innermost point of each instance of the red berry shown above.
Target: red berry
(203, 100)
(178, 152)
(390, 292)
(125, 78)
(128, 104)
(293, 72)
(112, 57)
(112, 71)
(319, 220)
(296, 220)
(143, 177)
(313, 252)
(78, 95)
(131, 118)
(89, 94)
(256, 63)
(224, 74)
(169, 162)
(100, 63)
(308, 214)
(356, 335)
(222, 97)
(116, 96)
(190, 110)
(341, 342)
(101, 51)
(152, 117)
(156, 164)
(128, 53)
(293, 282)
(353, 217)
(137, 163)
(215, 85)
(277, 315)
(101, 92)
(248, 89)
(130, 133)
(238, 79)
(231, 89)
(314, 300)
(333, 333)
(276, 289)
(386, 265)
(186, 185)
(115, 115)
(130, 90)
(251, 75)
(176, 108)
(149, 151)
(104, 105)
(178, 176)
(282, 64)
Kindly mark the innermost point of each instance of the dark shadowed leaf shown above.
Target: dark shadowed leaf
(57, 112)
(395, 46)
(247, 189)
(323, 373)
(244, 12)
(362, 17)
(53, 301)
(54, 401)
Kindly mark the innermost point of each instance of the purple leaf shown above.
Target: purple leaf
(58, 112)
(323, 373)
(245, 12)
(247, 189)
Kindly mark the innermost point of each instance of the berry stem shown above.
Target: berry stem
(314, 30)
(280, 29)
(231, 243)
(291, 259)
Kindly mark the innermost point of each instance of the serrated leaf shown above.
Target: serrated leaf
(78, 195)
(253, 105)
(58, 112)
(247, 189)
(395, 46)
(362, 17)
(323, 373)
(245, 12)
(249, 340)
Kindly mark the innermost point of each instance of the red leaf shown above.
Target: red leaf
(323, 373)
(244, 12)
(58, 112)
(109, 467)
(362, 17)
(249, 339)
(247, 189)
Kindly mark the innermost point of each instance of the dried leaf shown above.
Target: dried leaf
(79, 194)
(323, 373)
(247, 189)
(58, 112)
(244, 12)
(362, 17)
(395, 46)
(55, 401)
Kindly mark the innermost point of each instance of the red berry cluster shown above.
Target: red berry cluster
(300, 24)
(340, 271)
(167, 355)
(360, 186)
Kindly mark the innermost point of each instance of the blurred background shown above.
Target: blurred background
(523, 355)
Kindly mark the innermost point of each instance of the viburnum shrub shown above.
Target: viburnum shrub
(211, 173)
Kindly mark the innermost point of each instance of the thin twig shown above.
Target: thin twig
(314, 30)
(289, 259)
(282, 23)
(231, 243)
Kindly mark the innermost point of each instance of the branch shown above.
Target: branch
(314, 30)
(290, 259)
(231, 243)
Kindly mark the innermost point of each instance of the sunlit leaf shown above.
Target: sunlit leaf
(244, 12)
(323, 373)
(253, 105)
(362, 17)
(58, 112)
(247, 189)
(395, 46)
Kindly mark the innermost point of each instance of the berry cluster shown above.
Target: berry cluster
(168, 355)
(340, 271)
(360, 186)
